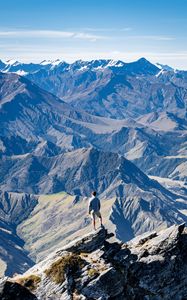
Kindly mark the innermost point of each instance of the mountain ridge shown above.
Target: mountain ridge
(92, 266)
(96, 85)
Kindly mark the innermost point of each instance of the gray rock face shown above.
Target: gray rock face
(152, 266)
(88, 244)
(10, 291)
(108, 284)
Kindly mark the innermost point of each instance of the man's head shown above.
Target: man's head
(94, 193)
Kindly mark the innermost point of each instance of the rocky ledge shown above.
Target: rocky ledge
(151, 266)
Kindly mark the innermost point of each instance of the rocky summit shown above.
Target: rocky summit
(95, 266)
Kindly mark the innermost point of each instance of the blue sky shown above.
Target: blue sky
(78, 29)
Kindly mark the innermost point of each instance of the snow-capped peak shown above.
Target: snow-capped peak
(164, 67)
(115, 63)
(56, 62)
(51, 62)
(45, 62)
(110, 63)
(12, 62)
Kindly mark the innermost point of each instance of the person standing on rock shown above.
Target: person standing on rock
(94, 208)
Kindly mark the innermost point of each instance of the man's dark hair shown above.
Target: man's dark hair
(94, 193)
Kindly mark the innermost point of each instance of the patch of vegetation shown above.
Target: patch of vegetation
(31, 282)
(93, 272)
(70, 263)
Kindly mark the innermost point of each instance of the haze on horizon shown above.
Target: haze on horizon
(107, 29)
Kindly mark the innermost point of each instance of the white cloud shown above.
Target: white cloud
(153, 37)
(112, 29)
(82, 35)
(50, 34)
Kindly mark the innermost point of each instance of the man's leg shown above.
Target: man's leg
(93, 218)
(100, 218)
(94, 223)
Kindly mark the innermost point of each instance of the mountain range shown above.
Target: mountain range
(116, 127)
(36, 121)
(110, 88)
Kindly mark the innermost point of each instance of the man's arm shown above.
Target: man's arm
(99, 204)
(89, 207)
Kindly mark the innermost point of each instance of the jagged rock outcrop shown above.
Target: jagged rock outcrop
(151, 266)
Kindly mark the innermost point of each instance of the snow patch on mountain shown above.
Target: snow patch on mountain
(21, 72)
(13, 62)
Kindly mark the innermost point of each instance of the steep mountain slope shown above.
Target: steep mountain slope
(163, 121)
(34, 121)
(13, 257)
(152, 266)
(14, 208)
(177, 186)
(155, 152)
